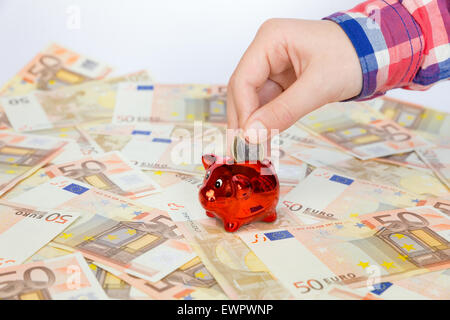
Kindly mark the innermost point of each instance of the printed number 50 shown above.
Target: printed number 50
(311, 284)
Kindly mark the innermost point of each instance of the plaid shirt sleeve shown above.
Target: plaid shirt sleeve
(400, 43)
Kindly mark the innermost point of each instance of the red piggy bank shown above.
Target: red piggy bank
(239, 193)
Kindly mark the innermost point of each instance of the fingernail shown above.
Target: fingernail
(256, 132)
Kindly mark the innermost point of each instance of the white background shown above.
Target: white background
(180, 41)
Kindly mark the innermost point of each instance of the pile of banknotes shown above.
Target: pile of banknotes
(99, 179)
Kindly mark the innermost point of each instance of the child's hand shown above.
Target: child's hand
(291, 68)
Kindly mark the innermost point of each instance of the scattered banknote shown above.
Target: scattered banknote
(113, 230)
(55, 67)
(37, 178)
(413, 116)
(33, 226)
(191, 281)
(428, 286)
(160, 130)
(78, 144)
(352, 128)
(415, 181)
(407, 159)
(114, 287)
(170, 103)
(374, 248)
(166, 154)
(169, 152)
(67, 106)
(63, 278)
(437, 157)
(108, 171)
(296, 135)
(22, 154)
(440, 204)
(343, 197)
(433, 286)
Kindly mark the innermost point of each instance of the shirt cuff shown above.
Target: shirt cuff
(388, 42)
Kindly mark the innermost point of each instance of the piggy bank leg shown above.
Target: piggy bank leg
(231, 226)
(209, 214)
(270, 217)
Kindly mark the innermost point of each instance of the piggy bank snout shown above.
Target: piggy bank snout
(210, 195)
(207, 196)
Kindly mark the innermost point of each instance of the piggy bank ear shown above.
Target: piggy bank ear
(242, 186)
(208, 160)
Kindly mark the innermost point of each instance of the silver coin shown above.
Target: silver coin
(243, 151)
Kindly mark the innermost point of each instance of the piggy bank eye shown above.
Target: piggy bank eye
(207, 175)
(218, 183)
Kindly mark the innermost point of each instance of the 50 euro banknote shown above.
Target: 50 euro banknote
(192, 281)
(413, 116)
(437, 157)
(78, 144)
(67, 106)
(110, 172)
(152, 147)
(141, 102)
(28, 225)
(54, 67)
(374, 248)
(114, 287)
(23, 154)
(113, 230)
(407, 159)
(440, 204)
(414, 181)
(62, 278)
(343, 197)
(428, 286)
(354, 128)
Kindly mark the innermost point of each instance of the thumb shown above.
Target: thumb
(302, 97)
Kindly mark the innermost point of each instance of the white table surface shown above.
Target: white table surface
(197, 41)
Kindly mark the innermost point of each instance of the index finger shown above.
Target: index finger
(251, 73)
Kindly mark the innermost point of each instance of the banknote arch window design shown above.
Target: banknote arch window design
(113, 286)
(194, 275)
(408, 116)
(128, 240)
(411, 237)
(15, 155)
